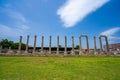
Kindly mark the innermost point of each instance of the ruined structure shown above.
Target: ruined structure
(101, 45)
(87, 43)
(65, 50)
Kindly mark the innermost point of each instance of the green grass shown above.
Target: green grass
(59, 68)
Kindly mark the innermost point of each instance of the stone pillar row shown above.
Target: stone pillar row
(65, 44)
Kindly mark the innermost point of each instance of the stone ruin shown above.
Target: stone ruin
(64, 51)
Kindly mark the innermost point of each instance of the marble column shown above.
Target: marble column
(107, 45)
(50, 44)
(65, 50)
(10, 52)
(19, 47)
(57, 45)
(34, 46)
(87, 43)
(42, 45)
(73, 53)
(80, 46)
(101, 49)
(95, 46)
(27, 42)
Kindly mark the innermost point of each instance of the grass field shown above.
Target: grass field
(59, 68)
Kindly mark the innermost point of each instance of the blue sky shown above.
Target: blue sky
(59, 17)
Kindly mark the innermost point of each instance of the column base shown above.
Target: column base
(65, 53)
(72, 53)
(10, 52)
(33, 53)
(95, 53)
(102, 52)
(49, 53)
(80, 53)
(26, 53)
(18, 52)
(57, 53)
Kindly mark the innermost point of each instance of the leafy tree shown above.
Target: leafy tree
(16, 45)
(77, 47)
(60, 46)
(5, 43)
(22, 46)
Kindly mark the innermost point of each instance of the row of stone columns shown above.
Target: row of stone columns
(65, 44)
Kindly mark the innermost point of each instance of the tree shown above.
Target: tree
(22, 46)
(77, 47)
(5, 43)
(60, 46)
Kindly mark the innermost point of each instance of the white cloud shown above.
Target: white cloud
(19, 24)
(7, 31)
(74, 11)
(111, 34)
(16, 15)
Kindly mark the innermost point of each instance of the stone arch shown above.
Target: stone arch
(87, 43)
(106, 40)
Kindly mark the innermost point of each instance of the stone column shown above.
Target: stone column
(42, 45)
(50, 44)
(19, 47)
(107, 45)
(57, 45)
(80, 46)
(26, 50)
(87, 44)
(10, 52)
(101, 49)
(73, 53)
(65, 51)
(0, 48)
(34, 47)
(95, 47)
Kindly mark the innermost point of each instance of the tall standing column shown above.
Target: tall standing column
(80, 46)
(73, 53)
(65, 51)
(34, 47)
(42, 45)
(101, 49)
(57, 45)
(19, 47)
(95, 44)
(50, 44)
(10, 51)
(87, 44)
(95, 47)
(26, 50)
(107, 45)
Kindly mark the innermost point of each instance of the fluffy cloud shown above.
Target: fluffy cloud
(111, 34)
(74, 11)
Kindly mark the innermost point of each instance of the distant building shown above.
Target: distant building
(113, 46)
